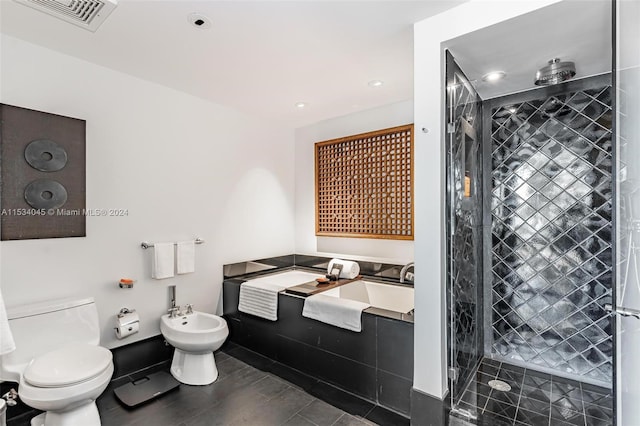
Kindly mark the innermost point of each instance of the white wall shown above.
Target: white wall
(307, 242)
(429, 37)
(182, 166)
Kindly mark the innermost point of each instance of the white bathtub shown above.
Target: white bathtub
(384, 296)
(287, 279)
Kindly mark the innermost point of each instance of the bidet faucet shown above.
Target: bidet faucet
(403, 271)
(172, 288)
(174, 310)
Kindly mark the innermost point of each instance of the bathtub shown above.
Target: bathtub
(383, 296)
(287, 279)
(389, 297)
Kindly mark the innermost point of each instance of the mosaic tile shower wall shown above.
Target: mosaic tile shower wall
(551, 233)
(464, 247)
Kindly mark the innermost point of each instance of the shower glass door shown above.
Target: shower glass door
(627, 136)
(464, 232)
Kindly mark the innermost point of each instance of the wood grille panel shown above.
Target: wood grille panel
(364, 185)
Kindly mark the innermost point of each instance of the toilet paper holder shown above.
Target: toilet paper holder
(127, 322)
(127, 316)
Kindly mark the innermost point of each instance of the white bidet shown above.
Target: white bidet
(195, 337)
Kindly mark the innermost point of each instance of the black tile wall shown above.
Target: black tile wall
(230, 299)
(258, 334)
(427, 410)
(394, 391)
(394, 346)
(384, 417)
(139, 355)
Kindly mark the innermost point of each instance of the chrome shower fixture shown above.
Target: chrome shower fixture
(555, 72)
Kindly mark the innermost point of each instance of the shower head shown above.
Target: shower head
(554, 73)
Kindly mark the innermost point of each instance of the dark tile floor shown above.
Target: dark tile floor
(535, 399)
(244, 394)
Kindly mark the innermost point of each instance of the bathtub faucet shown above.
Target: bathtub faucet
(404, 274)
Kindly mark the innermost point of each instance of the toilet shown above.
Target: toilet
(58, 363)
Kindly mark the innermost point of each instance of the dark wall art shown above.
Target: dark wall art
(42, 174)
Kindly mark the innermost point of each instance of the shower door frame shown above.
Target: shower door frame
(459, 127)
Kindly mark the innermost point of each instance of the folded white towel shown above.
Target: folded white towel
(163, 261)
(260, 299)
(259, 296)
(7, 343)
(350, 269)
(186, 257)
(343, 313)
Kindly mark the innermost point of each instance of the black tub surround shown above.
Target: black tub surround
(375, 364)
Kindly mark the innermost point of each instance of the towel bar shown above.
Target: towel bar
(145, 245)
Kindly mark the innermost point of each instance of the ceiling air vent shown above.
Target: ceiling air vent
(88, 14)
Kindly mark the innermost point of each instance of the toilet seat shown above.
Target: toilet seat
(68, 366)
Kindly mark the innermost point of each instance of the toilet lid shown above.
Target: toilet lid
(68, 365)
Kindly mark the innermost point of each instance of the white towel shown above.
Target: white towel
(6, 338)
(163, 261)
(343, 313)
(260, 299)
(186, 257)
(350, 269)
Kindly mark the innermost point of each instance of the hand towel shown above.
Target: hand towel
(163, 261)
(260, 299)
(186, 257)
(343, 313)
(7, 343)
(350, 269)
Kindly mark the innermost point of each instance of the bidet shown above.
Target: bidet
(195, 336)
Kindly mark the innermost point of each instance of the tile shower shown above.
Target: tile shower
(551, 232)
(529, 253)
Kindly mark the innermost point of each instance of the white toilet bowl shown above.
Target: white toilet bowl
(195, 337)
(65, 384)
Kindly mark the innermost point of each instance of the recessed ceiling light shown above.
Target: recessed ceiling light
(375, 83)
(301, 104)
(493, 76)
(199, 21)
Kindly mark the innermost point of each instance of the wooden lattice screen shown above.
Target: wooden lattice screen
(364, 185)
